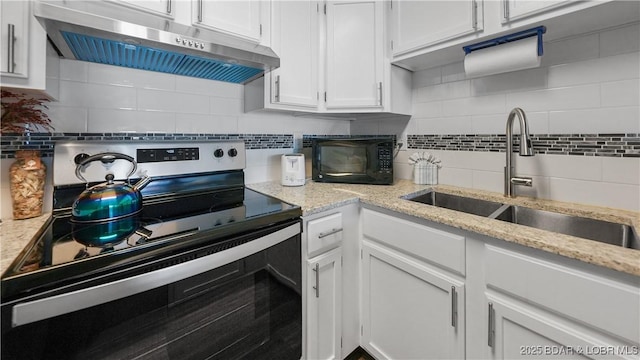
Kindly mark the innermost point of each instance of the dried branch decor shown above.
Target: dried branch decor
(21, 114)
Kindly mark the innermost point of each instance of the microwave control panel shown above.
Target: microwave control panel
(385, 159)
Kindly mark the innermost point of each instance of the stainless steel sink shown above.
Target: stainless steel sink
(598, 230)
(458, 203)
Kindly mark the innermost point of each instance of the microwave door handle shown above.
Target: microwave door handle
(341, 174)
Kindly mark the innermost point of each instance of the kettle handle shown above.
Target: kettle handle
(106, 157)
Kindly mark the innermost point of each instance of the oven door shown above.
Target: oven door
(241, 302)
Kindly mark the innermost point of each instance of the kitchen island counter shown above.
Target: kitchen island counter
(317, 197)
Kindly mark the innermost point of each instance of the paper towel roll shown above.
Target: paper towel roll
(512, 56)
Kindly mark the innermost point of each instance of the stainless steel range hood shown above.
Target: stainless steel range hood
(106, 33)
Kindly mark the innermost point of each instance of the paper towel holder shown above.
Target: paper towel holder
(536, 31)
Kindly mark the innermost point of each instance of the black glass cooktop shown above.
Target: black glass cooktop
(168, 224)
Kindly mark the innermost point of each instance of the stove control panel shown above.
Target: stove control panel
(167, 154)
(153, 159)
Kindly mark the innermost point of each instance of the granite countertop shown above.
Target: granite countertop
(15, 235)
(317, 197)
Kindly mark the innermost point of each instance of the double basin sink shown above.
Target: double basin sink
(598, 230)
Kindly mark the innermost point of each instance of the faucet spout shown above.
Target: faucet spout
(526, 149)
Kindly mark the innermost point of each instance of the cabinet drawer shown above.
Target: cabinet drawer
(587, 298)
(324, 233)
(435, 246)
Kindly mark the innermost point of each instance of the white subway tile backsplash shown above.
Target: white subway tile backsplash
(596, 193)
(488, 180)
(571, 50)
(496, 123)
(199, 123)
(225, 106)
(445, 125)
(111, 120)
(620, 41)
(427, 77)
(74, 70)
(566, 98)
(453, 72)
(427, 109)
(596, 70)
(122, 76)
(76, 94)
(559, 166)
(613, 120)
(477, 105)
(455, 177)
(621, 93)
(157, 100)
(208, 87)
(621, 170)
(67, 119)
(450, 90)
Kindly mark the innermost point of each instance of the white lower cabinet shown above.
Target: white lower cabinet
(410, 311)
(544, 309)
(413, 307)
(331, 301)
(431, 291)
(324, 305)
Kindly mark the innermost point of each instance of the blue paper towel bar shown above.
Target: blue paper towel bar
(536, 31)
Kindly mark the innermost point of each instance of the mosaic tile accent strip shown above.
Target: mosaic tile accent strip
(44, 142)
(612, 145)
(306, 139)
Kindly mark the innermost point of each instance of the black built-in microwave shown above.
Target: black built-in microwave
(353, 160)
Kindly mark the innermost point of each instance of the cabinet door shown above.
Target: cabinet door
(15, 38)
(516, 9)
(410, 311)
(417, 24)
(162, 7)
(295, 38)
(354, 54)
(324, 305)
(518, 331)
(239, 18)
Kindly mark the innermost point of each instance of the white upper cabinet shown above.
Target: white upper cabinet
(239, 18)
(355, 54)
(295, 38)
(159, 7)
(25, 57)
(422, 23)
(15, 38)
(517, 9)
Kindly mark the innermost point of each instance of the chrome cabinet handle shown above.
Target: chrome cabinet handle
(317, 287)
(199, 10)
(328, 233)
(11, 42)
(505, 8)
(168, 6)
(380, 93)
(454, 306)
(474, 20)
(491, 327)
(277, 95)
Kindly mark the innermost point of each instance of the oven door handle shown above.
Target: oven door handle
(41, 309)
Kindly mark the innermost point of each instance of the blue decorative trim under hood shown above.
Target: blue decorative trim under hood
(103, 51)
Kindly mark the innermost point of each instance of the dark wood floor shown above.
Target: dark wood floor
(359, 354)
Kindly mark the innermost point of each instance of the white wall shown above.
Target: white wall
(99, 98)
(588, 84)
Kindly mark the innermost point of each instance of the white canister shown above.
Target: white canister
(425, 173)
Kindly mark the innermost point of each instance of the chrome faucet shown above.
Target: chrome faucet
(526, 149)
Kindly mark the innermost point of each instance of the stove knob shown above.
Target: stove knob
(80, 158)
(218, 153)
(233, 152)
